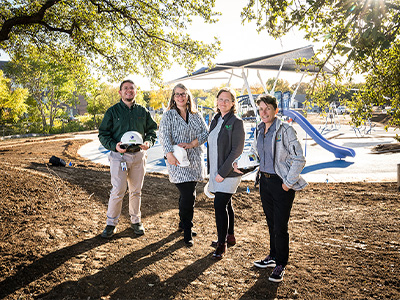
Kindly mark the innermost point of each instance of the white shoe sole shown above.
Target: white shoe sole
(276, 280)
(258, 265)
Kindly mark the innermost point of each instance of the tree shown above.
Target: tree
(281, 85)
(159, 97)
(53, 85)
(382, 85)
(302, 89)
(364, 33)
(115, 37)
(99, 98)
(355, 28)
(12, 102)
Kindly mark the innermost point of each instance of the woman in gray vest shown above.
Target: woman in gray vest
(225, 144)
(183, 126)
(281, 162)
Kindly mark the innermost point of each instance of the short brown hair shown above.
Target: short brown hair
(267, 99)
(125, 81)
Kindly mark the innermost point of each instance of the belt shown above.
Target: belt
(267, 175)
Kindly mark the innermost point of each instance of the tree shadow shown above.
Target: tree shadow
(119, 279)
(50, 262)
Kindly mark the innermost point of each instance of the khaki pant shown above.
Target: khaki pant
(120, 180)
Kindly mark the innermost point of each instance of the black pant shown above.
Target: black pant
(224, 215)
(186, 203)
(277, 204)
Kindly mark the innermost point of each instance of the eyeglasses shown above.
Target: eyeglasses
(224, 100)
(180, 95)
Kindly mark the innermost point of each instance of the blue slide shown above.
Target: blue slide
(338, 151)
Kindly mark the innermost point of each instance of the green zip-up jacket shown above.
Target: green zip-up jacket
(119, 119)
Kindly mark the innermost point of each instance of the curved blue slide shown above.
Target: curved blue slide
(338, 151)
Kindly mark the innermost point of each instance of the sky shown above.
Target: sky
(237, 42)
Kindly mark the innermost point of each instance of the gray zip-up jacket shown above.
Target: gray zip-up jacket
(286, 149)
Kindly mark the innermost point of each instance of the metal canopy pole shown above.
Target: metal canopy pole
(250, 96)
(297, 87)
(262, 83)
(229, 81)
(277, 76)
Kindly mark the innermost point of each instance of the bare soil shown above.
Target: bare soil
(344, 237)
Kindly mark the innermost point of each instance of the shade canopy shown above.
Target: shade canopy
(284, 61)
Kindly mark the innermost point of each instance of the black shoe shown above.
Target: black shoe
(108, 232)
(189, 243)
(268, 262)
(138, 228)
(277, 274)
(188, 238)
(219, 251)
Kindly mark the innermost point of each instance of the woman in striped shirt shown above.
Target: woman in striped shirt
(183, 125)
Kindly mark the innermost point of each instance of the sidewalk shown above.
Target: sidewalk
(321, 165)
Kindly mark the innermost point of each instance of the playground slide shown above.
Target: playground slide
(338, 151)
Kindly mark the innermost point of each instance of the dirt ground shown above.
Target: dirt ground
(344, 237)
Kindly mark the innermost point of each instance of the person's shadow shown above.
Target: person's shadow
(50, 262)
(118, 280)
(263, 288)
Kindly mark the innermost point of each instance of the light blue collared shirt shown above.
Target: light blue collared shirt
(264, 148)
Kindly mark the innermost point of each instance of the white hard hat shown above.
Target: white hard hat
(131, 138)
(181, 156)
(207, 192)
(247, 162)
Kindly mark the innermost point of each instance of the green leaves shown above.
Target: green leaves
(358, 36)
(117, 38)
(12, 102)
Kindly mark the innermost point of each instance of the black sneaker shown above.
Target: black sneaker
(138, 228)
(219, 251)
(268, 262)
(277, 274)
(108, 232)
(187, 237)
(189, 243)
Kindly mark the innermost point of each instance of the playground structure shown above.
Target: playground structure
(284, 61)
(285, 111)
(331, 120)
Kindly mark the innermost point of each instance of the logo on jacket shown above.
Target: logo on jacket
(279, 138)
(228, 127)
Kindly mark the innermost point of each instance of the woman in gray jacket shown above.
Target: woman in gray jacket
(183, 125)
(225, 144)
(281, 162)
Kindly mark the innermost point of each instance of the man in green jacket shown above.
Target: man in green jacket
(127, 166)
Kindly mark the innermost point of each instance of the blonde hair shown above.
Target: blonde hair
(190, 103)
(233, 97)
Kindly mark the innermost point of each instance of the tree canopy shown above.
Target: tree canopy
(365, 32)
(355, 28)
(53, 85)
(12, 102)
(116, 37)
